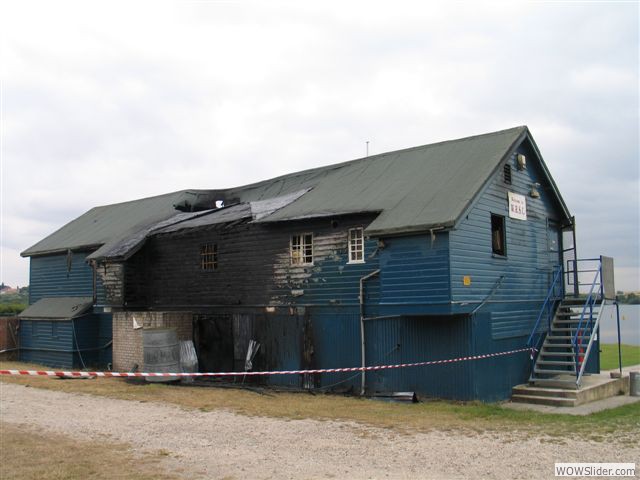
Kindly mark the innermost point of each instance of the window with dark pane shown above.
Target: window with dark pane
(209, 256)
(507, 173)
(302, 249)
(498, 236)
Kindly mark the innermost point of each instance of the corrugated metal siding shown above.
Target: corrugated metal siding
(336, 334)
(530, 256)
(417, 339)
(415, 272)
(494, 377)
(329, 337)
(51, 277)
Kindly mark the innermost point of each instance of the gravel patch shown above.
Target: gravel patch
(221, 444)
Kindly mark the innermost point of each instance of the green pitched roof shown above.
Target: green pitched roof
(57, 308)
(415, 189)
(104, 226)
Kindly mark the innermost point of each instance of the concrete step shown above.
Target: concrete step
(563, 387)
(553, 401)
(544, 391)
(554, 383)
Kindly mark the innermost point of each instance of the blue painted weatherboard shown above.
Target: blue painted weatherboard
(52, 343)
(415, 274)
(47, 342)
(533, 249)
(335, 281)
(55, 276)
(531, 256)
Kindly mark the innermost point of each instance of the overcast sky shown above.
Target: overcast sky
(107, 102)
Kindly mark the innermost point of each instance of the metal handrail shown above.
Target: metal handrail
(588, 350)
(557, 276)
(488, 297)
(588, 303)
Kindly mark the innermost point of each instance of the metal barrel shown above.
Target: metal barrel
(161, 353)
(634, 384)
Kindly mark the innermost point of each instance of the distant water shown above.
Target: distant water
(629, 325)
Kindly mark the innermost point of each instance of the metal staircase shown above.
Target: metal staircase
(562, 345)
(566, 347)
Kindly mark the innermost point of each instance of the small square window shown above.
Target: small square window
(356, 245)
(498, 237)
(302, 249)
(209, 256)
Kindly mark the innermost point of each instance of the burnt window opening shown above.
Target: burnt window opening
(302, 249)
(507, 173)
(356, 245)
(498, 236)
(209, 256)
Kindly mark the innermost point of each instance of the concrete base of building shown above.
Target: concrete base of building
(594, 388)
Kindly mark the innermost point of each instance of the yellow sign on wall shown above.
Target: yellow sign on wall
(466, 280)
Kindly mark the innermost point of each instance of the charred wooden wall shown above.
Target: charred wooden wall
(254, 267)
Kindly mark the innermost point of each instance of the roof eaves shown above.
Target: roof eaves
(471, 203)
(413, 229)
(41, 253)
(547, 173)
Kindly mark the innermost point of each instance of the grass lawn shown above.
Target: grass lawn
(441, 415)
(27, 454)
(609, 356)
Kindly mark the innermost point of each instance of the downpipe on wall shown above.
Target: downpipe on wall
(362, 342)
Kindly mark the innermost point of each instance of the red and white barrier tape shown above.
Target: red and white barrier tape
(48, 373)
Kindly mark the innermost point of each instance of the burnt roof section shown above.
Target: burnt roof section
(102, 227)
(413, 190)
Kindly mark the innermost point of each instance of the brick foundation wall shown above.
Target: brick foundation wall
(127, 336)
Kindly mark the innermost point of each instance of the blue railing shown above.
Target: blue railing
(555, 294)
(587, 326)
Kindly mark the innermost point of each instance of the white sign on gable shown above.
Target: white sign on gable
(517, 206)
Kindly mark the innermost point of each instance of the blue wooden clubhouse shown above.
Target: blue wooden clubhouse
(452, 249)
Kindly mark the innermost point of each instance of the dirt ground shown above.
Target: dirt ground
(221, 444)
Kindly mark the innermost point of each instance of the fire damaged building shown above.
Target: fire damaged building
(435, 252)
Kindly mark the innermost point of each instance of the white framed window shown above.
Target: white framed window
(302, 249)
(356, 245)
